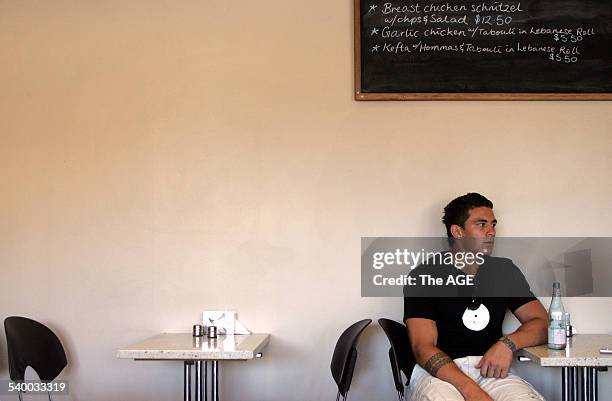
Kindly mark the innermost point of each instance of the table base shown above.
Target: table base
(579, 384)
(201, 381)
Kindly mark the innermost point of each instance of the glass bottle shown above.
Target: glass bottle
(556, 320)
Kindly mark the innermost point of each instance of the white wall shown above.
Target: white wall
(159, 158)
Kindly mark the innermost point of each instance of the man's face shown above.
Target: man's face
(478, 232)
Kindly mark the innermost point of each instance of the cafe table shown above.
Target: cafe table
(197, 352)
(580, 363)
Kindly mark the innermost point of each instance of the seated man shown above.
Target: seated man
(457, 340)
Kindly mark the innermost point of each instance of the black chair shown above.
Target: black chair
(30, 343)
(400, 353)
(345, 356)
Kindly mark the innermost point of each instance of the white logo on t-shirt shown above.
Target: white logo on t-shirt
(476, 319)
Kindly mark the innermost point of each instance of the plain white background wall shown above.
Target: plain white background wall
(159, 158)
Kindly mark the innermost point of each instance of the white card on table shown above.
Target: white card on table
(224, 320)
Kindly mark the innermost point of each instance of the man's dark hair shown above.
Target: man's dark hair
(458, 210)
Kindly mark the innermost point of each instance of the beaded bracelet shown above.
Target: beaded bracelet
(508, 343)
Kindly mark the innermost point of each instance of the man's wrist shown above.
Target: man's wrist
(508, 343)
(468, 388)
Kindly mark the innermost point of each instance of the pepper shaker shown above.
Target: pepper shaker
(198, 330)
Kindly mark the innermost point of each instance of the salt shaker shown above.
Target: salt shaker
(212, 331)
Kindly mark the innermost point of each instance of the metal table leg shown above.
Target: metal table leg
(198, 380)
(588, 384)
(566, 390)
(575, 384)
(201, 381)
(187, 381)
(594, 389)
(214, 396)
(205, 380)
(584, 388)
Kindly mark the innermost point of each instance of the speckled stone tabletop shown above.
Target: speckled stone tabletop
(581, 350)
(183, 346)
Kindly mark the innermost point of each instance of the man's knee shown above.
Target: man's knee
(511, 388)
(433, 389)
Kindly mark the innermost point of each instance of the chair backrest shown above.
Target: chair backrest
(345, 355)
(400, 353)
(30, 343)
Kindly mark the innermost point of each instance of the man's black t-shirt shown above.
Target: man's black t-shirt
(500, 286)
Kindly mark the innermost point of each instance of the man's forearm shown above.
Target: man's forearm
(439, 365)
(530, 333)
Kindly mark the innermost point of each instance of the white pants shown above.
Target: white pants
(424, 387)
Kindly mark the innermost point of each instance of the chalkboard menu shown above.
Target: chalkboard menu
(483, 49)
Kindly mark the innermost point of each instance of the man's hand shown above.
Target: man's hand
(496, 361)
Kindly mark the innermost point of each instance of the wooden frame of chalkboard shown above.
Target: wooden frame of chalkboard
(380, 79)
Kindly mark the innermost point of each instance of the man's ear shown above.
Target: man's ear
(456, 231)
